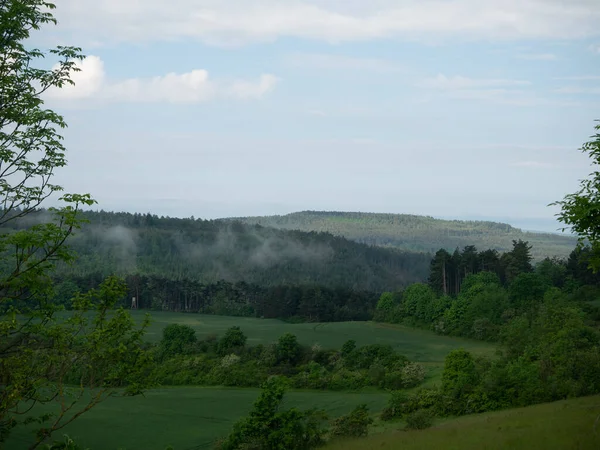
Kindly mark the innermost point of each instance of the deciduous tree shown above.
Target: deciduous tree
(45, 353)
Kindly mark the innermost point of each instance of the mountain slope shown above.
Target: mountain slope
(417, 233)
(209, 251)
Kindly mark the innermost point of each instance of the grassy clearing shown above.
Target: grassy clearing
(193, 417)
(417, 345)
(564, 425)
(186, 418)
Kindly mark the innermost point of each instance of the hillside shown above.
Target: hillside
(417, 233)
(208, 251)
(562, 425)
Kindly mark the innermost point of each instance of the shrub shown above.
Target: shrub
(288, 349)
(355, 424)
(233, 340)
(177, 339)
(269, 428)
(229, 360)
(401, 404)
(419, 420)
(413, 374)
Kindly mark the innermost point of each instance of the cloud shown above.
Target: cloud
(538, 56)
(235, 22)
(533, 164)
(91, 82)
(340, 62)
(595, 48)
(496, 90)
(246, 89)
(458, 82)
(578, 90)
(580, 78)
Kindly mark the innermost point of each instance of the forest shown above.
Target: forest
(418, 233)
(209, 251)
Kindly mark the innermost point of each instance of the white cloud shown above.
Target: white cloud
(580, 78)
(533, 164)
(496, 90)
(595, 48)
(538, 56)
(578, 90)
(340, 62)
(246, 89)
(91, 82)
(459, 83)
(88, 81)
(241, 21)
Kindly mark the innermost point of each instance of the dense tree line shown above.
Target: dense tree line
(473, 294)
(546, 354)
(228, 361)
(311, 303)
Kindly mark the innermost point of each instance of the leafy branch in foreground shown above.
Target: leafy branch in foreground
(581, 210)
(75, 360)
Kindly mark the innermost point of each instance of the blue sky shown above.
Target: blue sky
(463, 108)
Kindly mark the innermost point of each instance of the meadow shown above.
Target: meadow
(418, 345)
(564, 425)
(186, 418)
(194, 417)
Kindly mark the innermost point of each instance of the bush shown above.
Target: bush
(177, 339)
(269, 428)
(233, 340)
(355, 424)
(413, 374)
(402, 404)
(419, 420)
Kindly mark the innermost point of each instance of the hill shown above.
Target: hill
(417, 233)
(208, 251)
(563, 425)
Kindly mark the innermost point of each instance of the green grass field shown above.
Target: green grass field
(193, 417)
(565, 425)
(417, 345)
(186, 418)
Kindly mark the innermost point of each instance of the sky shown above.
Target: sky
(471, 109)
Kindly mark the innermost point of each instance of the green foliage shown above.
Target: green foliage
(269, 428)
(460, 375)
(417, 302)
(177, 339)
(288, 349)
(233, 340)
(348, 347)
(401, 404)
(210, 363)
(66, 444)
(94, 347)
(419, 420)
(579, 211)
(48, 357)
(356, 424)
(527, 291)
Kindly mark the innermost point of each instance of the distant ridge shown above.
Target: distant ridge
(417, 233)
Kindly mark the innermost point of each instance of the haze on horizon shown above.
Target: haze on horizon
(455, 109)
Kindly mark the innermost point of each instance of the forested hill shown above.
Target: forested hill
(418, 233)
(209, 251)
